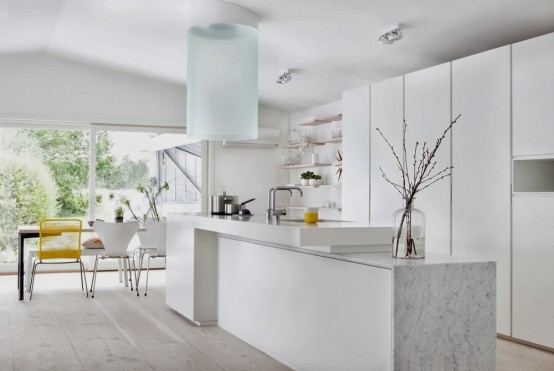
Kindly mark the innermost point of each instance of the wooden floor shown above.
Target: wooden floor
(60, 329)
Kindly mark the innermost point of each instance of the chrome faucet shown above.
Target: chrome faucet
(271, 211)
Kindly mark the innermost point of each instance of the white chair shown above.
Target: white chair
(152, 243)
(115, 238)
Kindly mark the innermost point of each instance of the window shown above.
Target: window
(45, 173)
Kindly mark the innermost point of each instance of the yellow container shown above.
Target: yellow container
(311, 215)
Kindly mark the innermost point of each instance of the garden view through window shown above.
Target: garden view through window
(45, 173)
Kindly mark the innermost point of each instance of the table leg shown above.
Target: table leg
(20, 267)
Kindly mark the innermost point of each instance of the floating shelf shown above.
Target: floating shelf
(334, 140)
(302, 166)
(289, 146)
(317, 186)
(322, 121)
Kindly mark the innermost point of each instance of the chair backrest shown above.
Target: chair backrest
(59, 239)
(116, 236)
(157, 232)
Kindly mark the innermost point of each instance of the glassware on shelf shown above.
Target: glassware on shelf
(294, 137)
(298, 157)
(307, 135)
(336, 133)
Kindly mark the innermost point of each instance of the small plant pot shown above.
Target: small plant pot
(314, 182)
(119, 219)
(305, 182)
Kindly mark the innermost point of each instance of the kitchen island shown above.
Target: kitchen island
(328, 296)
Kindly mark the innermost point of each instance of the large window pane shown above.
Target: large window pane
(123, 163)
(43, 173)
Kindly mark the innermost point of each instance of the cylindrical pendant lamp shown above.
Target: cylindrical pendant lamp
(222, 71)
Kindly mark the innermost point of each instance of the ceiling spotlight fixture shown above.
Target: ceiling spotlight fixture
(391, 36)
(284, 77)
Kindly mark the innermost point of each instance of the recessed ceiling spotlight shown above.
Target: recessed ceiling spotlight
(391, 36)
(284, 77)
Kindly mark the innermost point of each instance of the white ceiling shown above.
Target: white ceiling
(330, 45)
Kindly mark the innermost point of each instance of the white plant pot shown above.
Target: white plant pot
(314, 182)
(305, 182)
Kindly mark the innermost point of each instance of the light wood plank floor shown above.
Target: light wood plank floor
(60, 329)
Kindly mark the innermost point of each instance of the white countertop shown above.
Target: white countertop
(326, 235)
(356, 242)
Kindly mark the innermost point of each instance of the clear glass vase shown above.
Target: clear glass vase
(408, 233)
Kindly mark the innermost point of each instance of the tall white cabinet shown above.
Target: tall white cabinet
(533, 96)
(355, 139)
(427, 113)
(533, 274)
(481, 153)
(533, 205)
(387, 113)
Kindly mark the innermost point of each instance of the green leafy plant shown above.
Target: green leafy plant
(119, 212)
(316, 177)
(307, 175)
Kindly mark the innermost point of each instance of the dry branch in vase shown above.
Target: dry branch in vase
(415, 178)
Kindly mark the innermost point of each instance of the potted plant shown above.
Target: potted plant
(315, 180)
(151, 194)
(305, 178)
(119, 214)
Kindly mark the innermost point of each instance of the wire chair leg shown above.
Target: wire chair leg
(83, 277)
(135, 273)
(129, 269)
(94, 277)
(140, 259)
(33, 279)
(81, 271)
(147, 274)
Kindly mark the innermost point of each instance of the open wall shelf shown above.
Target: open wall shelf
(324, 120)
(302, 166)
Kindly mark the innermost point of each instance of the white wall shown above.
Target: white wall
(44, 87)
(251, 172)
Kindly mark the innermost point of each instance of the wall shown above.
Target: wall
(318, 197)
(44, 87)
(251, 172)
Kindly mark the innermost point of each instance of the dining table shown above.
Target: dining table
(32, 231)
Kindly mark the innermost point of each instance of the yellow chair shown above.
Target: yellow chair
(59, 243)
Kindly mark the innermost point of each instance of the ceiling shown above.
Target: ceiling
(330, 45)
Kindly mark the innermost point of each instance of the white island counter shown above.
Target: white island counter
(323, 297)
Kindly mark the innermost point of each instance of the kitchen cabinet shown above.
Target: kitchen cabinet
(427, 114)
(533, 94)
(533, 276)
(387, 114)
(355, 136)
(481, 156)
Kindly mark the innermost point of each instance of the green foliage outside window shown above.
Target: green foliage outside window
(27, 194)
(44, 173)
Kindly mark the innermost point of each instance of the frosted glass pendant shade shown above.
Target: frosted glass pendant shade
(222, 74)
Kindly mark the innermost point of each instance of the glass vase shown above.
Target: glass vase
(408, 233)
